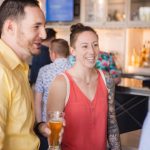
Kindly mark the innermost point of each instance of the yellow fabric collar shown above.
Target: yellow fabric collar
(10, 57)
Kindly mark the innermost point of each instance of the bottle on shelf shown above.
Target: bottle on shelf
(145, 55)
(135, 58)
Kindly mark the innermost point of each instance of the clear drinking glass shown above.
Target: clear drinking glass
(55, 123)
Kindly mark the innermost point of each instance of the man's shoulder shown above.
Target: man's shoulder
(3, 65)
(4, 71)
(46, 67)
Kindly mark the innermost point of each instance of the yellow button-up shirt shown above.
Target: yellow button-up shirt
(16, 103)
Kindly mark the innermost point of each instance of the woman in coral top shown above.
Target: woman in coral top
(86, 97)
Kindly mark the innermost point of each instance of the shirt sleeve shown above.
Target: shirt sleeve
(4, 99)
(39, 82)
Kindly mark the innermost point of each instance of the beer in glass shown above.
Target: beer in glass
(55, 123)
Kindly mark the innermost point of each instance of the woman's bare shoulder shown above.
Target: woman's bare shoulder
(59, 81)
(57, 94)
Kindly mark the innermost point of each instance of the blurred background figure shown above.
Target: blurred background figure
(59, 52)
(144, 141)
(106, 63)
(43, 58)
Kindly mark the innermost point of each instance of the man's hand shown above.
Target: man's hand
(44, 129)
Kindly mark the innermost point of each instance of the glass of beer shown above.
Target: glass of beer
(55, 123)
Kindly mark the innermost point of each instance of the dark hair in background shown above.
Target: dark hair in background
(61, 47)
(50, 33)
(76, 29)
(14, 9)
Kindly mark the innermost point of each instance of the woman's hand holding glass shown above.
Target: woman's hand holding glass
(55, 121)
(53, 129)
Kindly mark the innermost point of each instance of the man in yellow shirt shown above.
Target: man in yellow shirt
(22, 28)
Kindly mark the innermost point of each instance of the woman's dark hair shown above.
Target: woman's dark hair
(76, 29)
(14, 9)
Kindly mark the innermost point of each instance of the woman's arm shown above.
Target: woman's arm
(113, 130)
(57, 94)
(56, 100)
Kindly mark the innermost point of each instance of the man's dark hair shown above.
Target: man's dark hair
(51, 33)
(14, 9)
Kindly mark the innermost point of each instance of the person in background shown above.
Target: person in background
(86, 96)
(43, 58)
(144, 140)
(59, 52)
(22, 29)
(105, 62)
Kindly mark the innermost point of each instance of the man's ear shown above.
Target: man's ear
(10, 26)
(72, 51)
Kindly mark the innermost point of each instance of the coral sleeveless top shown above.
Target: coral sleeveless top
(86, 121)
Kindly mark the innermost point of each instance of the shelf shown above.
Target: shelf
(139, 1)
(116, 24)
(124, 7)
(62, 24)
(103, 25)
(107, 25)
(138, 70)
(107, 7)
(119, 24)
(138, 24)
(115, 1)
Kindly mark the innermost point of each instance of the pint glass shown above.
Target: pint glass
(55, 123)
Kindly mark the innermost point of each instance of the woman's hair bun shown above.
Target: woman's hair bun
(76, 27)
